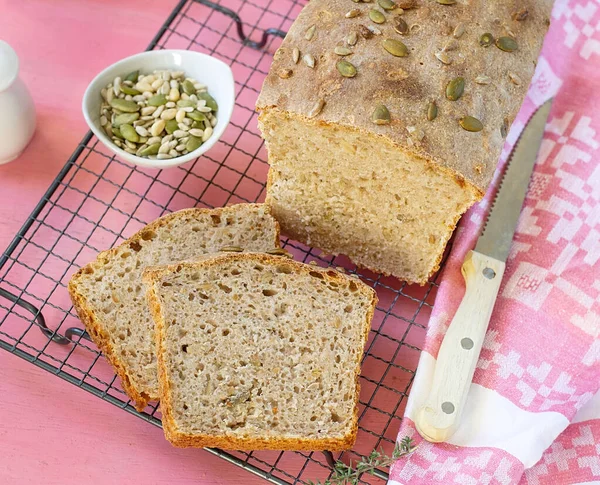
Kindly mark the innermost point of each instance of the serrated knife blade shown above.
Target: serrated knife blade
(499, 229)
(440, 406)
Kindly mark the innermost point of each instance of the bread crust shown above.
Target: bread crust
(152, 277)
(93, 323)
(406, 85)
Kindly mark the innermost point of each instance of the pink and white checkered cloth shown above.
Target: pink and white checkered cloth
(533, 412)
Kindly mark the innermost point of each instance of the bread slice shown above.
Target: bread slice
(259, 352)
(108, 293)
(389, 192)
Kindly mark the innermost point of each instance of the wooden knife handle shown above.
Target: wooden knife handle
(438, 419)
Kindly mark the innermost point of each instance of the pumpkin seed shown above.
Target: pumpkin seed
(483, 79)
(346, 69)
(352, 13)
(186, 103)
(432, 111)
(469, 123)
(132, 76)
(507, 44)
(376, 16)
(387, 4)
(124, 105)
(117, 132)
(157, 100)
(504, 128)
(193, 143)
(309, 60)
(342, 51)
(317, 108)
(295, 55)
(171, 126)
(455, 88)
(129, 90)
(123, 118)
(188, 87)
(285, 73)
(400, 25)
(196, 116)
(150, 150)
(365, 32)
(310, 32)
(352, 38)
(395, 47)
(486, 39)
(381, 115)
(210, 101)
(459, 30)
(443, 57)
(129, 133)
(446, 2)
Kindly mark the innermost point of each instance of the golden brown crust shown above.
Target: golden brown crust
(152, 277)
(93, 323)
(406, 85)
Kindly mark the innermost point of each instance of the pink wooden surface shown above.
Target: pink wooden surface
(50, 431)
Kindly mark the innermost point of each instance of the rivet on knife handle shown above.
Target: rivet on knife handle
(458, 355)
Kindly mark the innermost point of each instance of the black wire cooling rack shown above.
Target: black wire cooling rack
(96, 201)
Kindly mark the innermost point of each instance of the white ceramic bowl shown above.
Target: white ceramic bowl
(205, 69)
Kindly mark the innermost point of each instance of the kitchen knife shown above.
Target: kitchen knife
(482, 269)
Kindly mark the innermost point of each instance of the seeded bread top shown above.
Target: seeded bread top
(407, 85)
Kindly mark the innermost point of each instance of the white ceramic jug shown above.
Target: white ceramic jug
(17, 112)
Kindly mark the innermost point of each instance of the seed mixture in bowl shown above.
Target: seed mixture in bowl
(158, 116)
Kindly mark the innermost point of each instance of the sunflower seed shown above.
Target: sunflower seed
(169, 114)
(282, 73)
(157, 127)
(400, 25)
(196, 132)
(207, 134)
(376, 16)
(352, 13)
(451, 45)
(309, 60)
(507, 44)
(459, 30)
(483, 79)
(346, 69)
(280, 252)
(180, 116)
(342, 51)
(515, 79)
(153, 140)
(374, 30)
(469, 123)
(317, 108)
(455, 88)
(443, 57)
(486, 39)
(141, 131)
(395, 47)
(310, 32)
(117, 86)
(504, 128)
(164, 148)
(179, 133)
(164, 156)
(381, 115)
(103, 120)
(520, 15)
(387, 4)
(365, 32)
(295, 55)
(432, 111)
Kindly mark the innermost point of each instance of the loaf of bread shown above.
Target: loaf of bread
(259, 352)
(110, 299)
(384, 126)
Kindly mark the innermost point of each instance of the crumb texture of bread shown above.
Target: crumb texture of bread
(110, 297)
(333, 168)
(259, 352)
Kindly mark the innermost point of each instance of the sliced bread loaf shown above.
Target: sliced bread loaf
(108, 293)
(259, 352)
